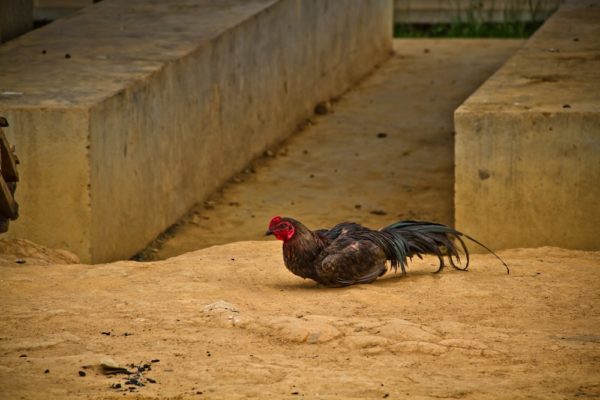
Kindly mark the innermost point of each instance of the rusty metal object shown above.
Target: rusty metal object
(9, 209)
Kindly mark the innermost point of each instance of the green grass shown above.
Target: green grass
(517, 29)
(478, 19)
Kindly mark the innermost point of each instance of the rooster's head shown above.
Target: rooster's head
(281, 228)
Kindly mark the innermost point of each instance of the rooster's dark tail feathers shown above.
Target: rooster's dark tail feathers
(406, 239)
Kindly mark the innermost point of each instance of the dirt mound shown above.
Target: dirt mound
(21, 251)
(231, 322)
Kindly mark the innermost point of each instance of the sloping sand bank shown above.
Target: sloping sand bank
(230, 321)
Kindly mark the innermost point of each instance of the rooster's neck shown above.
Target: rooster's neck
(301, 251)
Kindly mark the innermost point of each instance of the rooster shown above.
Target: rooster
(350, 253)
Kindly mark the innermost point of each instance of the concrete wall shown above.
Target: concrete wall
(54, 9)
(528, 141)
(128, 113)
(16, 18)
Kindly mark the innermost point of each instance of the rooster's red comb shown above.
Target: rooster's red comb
(274, 221)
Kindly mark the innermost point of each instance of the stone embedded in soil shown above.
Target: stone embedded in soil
(446, 326)
(414, 346)
(464, 344)
(365, 341)
(304, 331)
(226, 314)
(400, 329)
(220, 306)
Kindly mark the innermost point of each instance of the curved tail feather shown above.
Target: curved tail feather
(409, 238)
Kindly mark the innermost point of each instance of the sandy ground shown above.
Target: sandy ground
(340, 168)
(231, 322)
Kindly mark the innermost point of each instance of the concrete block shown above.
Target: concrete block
(128, 113)
(16, 18)
(50, 10)
(527, 148)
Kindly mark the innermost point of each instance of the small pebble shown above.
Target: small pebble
(566, 106)
(382, 135)
(20, 261)
(378, 212)
(82, 373)
(134, 382)
(322, 108)
(67, 55)
(47, 371)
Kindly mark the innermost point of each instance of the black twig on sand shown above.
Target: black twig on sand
(135, 377)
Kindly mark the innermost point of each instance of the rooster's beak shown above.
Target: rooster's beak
(269, 232)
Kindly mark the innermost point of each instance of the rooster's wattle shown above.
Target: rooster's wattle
(350, 253)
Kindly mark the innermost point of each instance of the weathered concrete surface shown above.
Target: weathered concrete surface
(528, 141)
(16, 18)
(128, 113)
(54, 9)
(341, 167)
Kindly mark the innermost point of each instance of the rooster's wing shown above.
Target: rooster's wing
(349, 260)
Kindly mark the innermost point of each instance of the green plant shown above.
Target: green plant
(483, 19)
